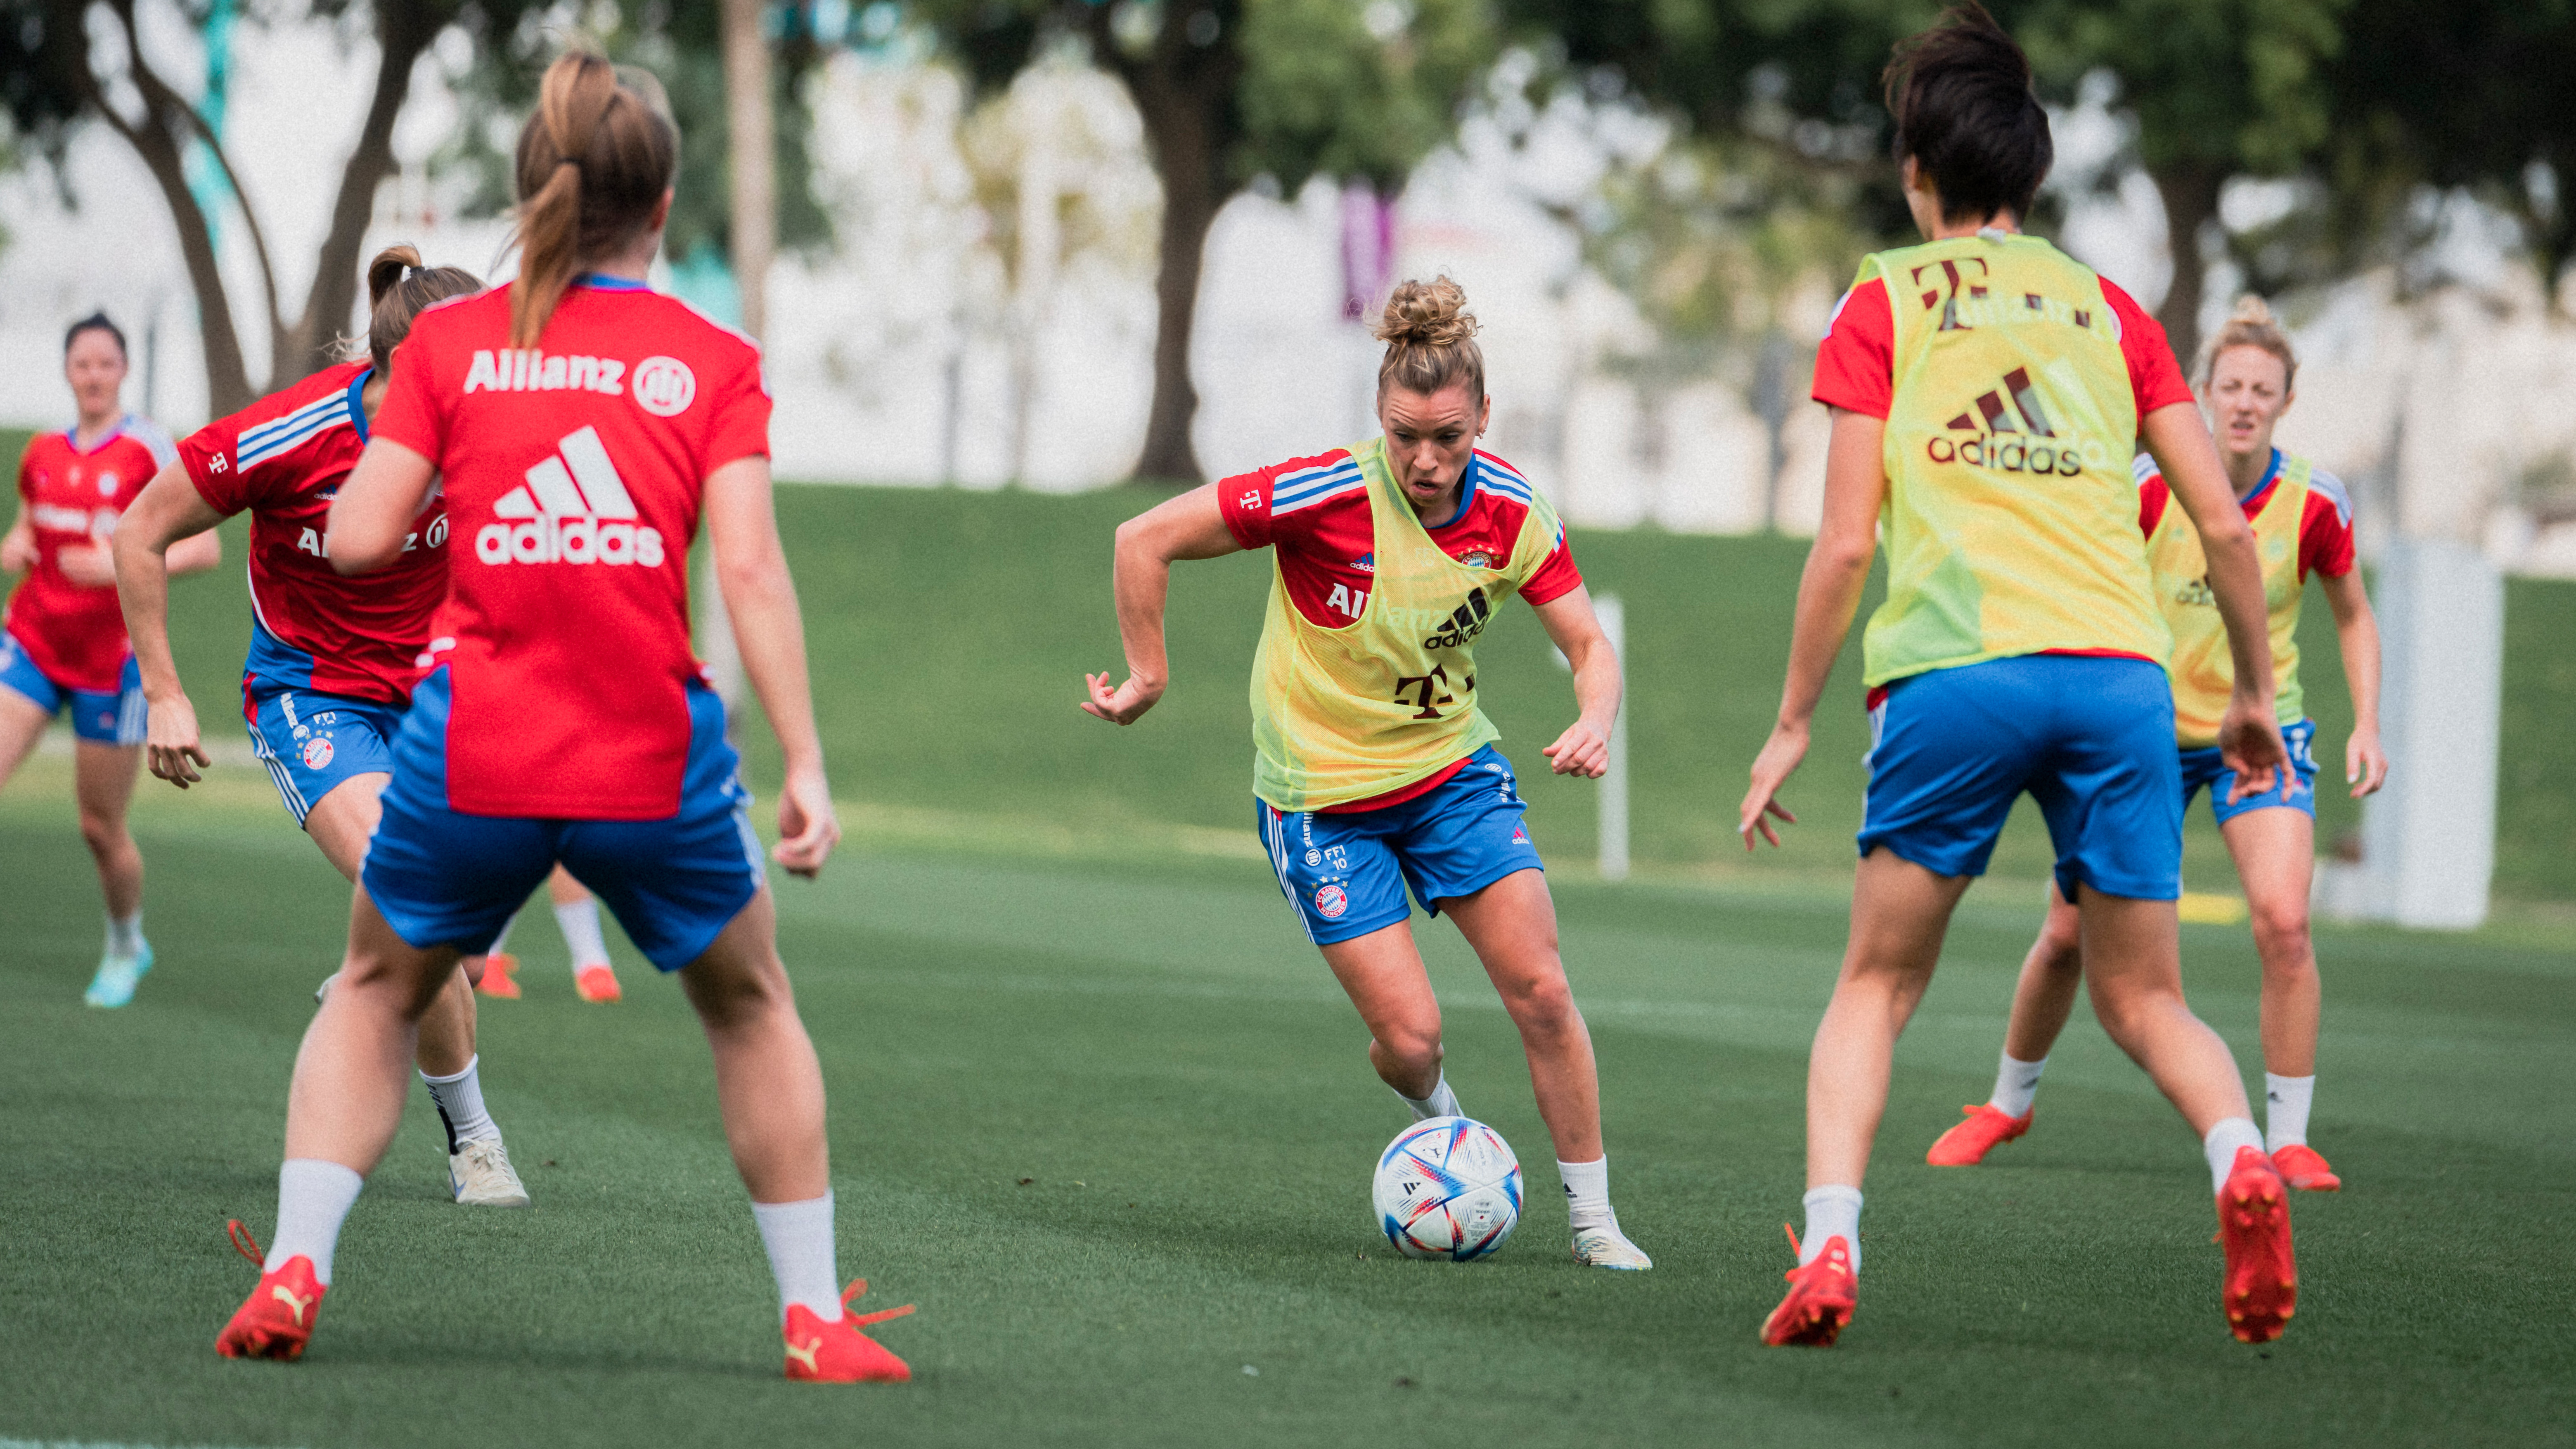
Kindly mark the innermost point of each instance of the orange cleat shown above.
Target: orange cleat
(1986, 1129)
(277, 1319)
(597, 983)
(1821, 1297)
(2262, 1287)
(836, 1352)
(500, 979)
(2304, 1168)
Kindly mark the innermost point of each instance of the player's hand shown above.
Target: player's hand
(807, 828)
(2249, 742)
(87, 564)
(17, 552)
(2365, 764)
(1123, 705)
(172, 744)
(1780, 758)
(1581, 750)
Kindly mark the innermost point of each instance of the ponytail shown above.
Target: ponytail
(399, 289)
(593, 163)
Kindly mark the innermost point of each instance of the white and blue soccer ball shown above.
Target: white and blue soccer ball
(1448, 1188)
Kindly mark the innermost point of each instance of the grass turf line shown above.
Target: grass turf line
(1150, 1041)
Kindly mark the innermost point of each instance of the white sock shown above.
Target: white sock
(2016, 1085)
(501, 943)
(460, 1106)
(125, 937)
(580, 923)
(798, 1236)
(1587, 1193)
(313, 1199)
(2230, 1134)
(2285, 1110)
(1441, 1103)
(1833, 1211)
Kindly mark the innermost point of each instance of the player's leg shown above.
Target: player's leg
(2275, 852)
(1383, 975)
(103, 777)
(22, 719)
(2051, 975)
(577, 916)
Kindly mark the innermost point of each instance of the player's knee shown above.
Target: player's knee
(2281, 930)
(1543, 1002)
(102, 832)
(1410, 1047)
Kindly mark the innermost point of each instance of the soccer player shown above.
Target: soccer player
(62, 643)
(331, 659)
(579, 425)
(1373, 768)
(2302, 519)
(1987, 394)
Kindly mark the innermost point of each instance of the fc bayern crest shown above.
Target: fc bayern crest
(1477, 558)
(317, 753)
(664, 386)
(1331, 901)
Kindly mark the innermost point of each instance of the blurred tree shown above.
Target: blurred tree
(1228, 90)
(60, 71)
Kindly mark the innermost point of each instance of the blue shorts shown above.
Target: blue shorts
(2297, 790)
(311, 742)
(1346, 873)
(102, 717)
(2090, 739)
(442, 878)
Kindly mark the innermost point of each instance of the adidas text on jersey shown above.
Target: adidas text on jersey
(573, 509)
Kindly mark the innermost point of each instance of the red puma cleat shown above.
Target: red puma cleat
(277, 1319)
(500, 980)
(597, 983)
(836, 1352)
(1821, 1297)
(1986, 1129)
(2262, 1286)
(2304, 1168)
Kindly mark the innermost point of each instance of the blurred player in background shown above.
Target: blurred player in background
(331, 659)
(62, 641)
(1374, 769)
(578, 424)
(1987, 394)
(2302, 522)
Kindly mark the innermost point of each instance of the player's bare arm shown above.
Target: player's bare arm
(18, 546)
(1185, 527)
(168, 529)
(2250, 739)
(1829, 592)
(375, 508)
(769, 626)
(2365, 764)
(1584, 748)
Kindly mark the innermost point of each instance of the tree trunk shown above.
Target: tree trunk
(754, 162)
(2190, 191)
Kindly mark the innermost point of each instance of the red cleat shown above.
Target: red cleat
(1821, 1297)
(2302, 1167)
(836, 1352)
(499, 979)
(277, 1319)
(597, 983)
(1986, 1129)
(2262, 1287)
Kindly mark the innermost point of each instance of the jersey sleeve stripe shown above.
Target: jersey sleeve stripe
(260, 445)
(2321, 481)
(2142, 468)
(1307, 483)
(1500, 478)
(288, 422)
(1282, 505)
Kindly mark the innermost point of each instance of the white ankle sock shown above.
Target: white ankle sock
(313, 1199)
(501, 943)
(460, 1106)
(125, 937)
(580, 923)
(2016, 1085)
(2285, 1110)
(2220, 1145)
(798, 1236)
(1587, 1193)
(1833, 1211)
(1441, 1103)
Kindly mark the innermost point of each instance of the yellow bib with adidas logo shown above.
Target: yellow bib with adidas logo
(2011, 520)
(2204, 673)
(1344, 714)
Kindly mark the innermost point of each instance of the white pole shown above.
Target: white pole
(1614, 782)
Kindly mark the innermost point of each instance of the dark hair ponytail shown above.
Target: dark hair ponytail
(399, 289)
(592, 165)
(1965, 112)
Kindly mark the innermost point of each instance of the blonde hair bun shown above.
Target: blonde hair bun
(1426, 314)
(2251, 324)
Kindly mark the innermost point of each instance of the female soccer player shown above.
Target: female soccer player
(1987, 394)
(332, 659)
(2302, 518)
(1373, 767)
(579, 424)
(61, 639)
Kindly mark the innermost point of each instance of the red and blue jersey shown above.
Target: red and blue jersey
(71, 497)
(573, 474)
(283, 459)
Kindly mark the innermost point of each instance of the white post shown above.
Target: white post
(1614, 782)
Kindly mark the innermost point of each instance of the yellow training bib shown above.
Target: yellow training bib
(2204, 673)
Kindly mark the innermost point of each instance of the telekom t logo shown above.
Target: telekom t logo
(573, 509)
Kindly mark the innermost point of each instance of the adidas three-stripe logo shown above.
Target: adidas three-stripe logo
(572, 509)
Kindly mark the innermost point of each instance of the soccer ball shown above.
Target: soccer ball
(1448, 1188)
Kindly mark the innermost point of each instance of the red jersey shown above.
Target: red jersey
(284, 458)
(573, 474)
(1856, 368)
(72, 496)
